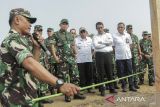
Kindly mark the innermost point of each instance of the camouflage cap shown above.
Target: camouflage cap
(145, 33)
(25, 13)
(129, 27)
(82, 29)
(106, 30)
(50, 29)
(64, 21)
(38, 28)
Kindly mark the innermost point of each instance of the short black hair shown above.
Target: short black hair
(10, 20)
(99, 23)
(120, 24)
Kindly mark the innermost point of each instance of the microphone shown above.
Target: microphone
(41, 44)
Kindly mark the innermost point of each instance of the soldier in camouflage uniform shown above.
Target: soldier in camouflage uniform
(65, 57)
(51, 61)
(42, 87)
(136, 54)
(106, 30)
(17, 63)
(146, 48)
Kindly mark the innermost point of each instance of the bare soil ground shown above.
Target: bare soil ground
(151, 97)
(95, 100)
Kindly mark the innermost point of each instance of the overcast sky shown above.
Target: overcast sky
(81, 13)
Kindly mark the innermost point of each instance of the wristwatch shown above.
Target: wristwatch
(59, 83)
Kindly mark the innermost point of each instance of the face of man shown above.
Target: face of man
(39, 32)
(64, 26)
(121, 28)
(83, 33)
(145, 36)
(73, 32)
(23, 24)
(50, 33)
(130, 30)
(149, 37)
(100, 29)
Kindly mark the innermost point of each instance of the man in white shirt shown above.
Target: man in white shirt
(103, 49)
(84, 48)
(121, 43)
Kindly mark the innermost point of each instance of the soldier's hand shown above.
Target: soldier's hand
(147, 56)
(40, 39)
(57, 60)
(69, 89)
(151, 55)
(140, 57)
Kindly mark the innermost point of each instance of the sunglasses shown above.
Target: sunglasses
(40, 30)
(48, 31)
(83, 31)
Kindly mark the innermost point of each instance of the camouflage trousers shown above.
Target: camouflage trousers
(143, 65)
(8, 102)
(68, 71)
(52, 66)
(42, 87)
(15, 105)
(135, 67)
(53, 71)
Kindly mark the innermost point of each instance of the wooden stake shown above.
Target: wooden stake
(155, 23)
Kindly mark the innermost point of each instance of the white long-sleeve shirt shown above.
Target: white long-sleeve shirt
(103, 42)
(122, 46)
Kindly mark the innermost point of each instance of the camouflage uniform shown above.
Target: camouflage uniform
(42, 87)
(114, 69)
(51, 62)
(135, 57)
(44, 62)
(146, 48)
(17, 86)
(67, 69)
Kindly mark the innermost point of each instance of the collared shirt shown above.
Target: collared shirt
(103, 42)
(84, 47)
(122, 46)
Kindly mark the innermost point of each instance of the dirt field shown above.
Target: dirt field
(148, 93)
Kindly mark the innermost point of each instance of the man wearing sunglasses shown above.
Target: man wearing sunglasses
(51, 61)
(136, 54)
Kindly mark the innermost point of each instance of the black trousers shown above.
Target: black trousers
(85, 73)
(124, 68)
(104, 67)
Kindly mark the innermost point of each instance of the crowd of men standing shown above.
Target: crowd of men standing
(80, 59)
(85, 60)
